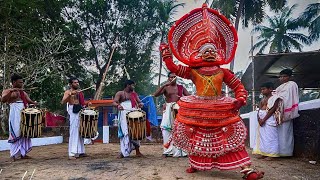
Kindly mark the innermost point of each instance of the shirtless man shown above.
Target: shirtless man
(267, 139)
(18, 100)
(127, 100)
(75, 100)
(172, 92)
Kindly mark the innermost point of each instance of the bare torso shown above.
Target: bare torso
(15, 96)
(171, 94)
(264, 103)
(73, 99)
(124, 96)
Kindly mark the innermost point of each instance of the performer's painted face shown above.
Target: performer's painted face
(209, 54)
(18, 83)
(75, 84)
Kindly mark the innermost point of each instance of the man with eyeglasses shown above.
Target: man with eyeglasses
(288, 92)
(172, 93)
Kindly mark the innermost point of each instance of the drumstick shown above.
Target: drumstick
(173, 79)
(147, 96)
(86, 88)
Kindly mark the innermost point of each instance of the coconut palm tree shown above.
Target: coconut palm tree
(245, 10)
(281, 34)
(311, 17)
(166, 10)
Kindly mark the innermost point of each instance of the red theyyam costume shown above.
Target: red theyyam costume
(208, 125)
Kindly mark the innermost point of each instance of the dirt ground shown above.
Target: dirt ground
(51, 162)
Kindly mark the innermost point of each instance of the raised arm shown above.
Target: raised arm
(179, 70)
(6, 95)
(161, 90)
(235, 84)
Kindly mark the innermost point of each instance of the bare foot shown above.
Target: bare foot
(12, 159)
(165, 155)
(120, 156)
(25, 157)
(139, 155)
(72, 158)
(261, 157)
(83, 155)
(191, 170)
(268, 159)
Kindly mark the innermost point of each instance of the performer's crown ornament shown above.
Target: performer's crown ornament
(203, 37)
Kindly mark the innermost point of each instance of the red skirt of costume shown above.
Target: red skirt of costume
(211, 132)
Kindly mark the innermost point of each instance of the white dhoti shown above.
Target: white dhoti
(166, 128)
(289, 93)
(286, 140)
(76, 143)
(126, 144)
(19, 145)
(267, 140)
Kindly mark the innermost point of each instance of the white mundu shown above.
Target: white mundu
(18, 145)
(166, 128)
(126, 145)
(76, 142)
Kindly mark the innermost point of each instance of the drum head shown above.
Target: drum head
(175, 106)
(89, 112)
(135, 114)
(31, 111)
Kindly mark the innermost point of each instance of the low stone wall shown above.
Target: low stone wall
(306, 130)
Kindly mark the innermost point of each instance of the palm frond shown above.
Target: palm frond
(261, 44)
(301, 37)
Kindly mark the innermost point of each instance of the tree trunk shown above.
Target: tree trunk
(98, 94)
(236, 25)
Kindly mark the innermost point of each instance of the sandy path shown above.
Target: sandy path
(50, 162)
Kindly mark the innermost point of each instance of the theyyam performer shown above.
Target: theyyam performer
(208, 125)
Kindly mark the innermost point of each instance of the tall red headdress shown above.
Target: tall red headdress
(200, 29)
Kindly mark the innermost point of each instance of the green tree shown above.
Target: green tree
(101, 25)
(166, 10)
(281, 34)
(246, 11)
(32, 43)
(311, 18)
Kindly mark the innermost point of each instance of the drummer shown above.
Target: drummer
(18, 99)
(75, 102)
(172, 93)
(126, 101)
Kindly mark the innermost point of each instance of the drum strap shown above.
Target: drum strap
(81, 98)
(23, 98)
(134, 98)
